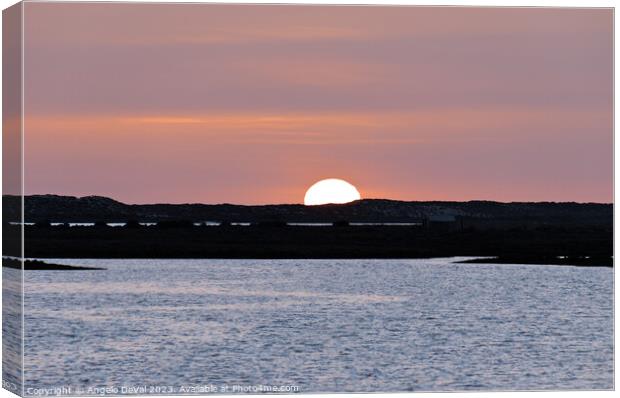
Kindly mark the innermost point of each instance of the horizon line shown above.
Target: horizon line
(302, 204)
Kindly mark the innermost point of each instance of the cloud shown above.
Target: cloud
(447, 125)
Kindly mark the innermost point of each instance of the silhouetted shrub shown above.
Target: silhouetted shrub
(175, 224)
(43, 224)
(132, 224)
(272, 223)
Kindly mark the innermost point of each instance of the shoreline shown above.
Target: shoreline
(40, 265)
(568, 262)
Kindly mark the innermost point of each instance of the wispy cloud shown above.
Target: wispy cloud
(436, 125)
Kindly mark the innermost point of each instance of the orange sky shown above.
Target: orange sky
(249, 104)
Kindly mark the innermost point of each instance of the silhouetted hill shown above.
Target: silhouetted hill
(97, 208)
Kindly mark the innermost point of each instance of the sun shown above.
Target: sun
(331, 190)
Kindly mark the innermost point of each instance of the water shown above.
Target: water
(12, 329)
(319, 325)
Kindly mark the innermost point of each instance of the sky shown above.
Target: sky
(252, 104)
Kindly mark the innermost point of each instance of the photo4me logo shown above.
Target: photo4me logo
(262, 388)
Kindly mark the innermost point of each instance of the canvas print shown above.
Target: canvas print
(233, 198)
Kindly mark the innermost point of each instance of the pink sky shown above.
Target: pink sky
(249, 104)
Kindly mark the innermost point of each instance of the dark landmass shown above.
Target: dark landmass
(43, 266)
(530, 232)
(542, 260)
(307, 242)
(482, 213)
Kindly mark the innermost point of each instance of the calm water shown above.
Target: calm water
(321, 325)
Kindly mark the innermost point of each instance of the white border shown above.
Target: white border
(475, 3)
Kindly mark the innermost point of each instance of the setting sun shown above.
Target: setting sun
(331, 190)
